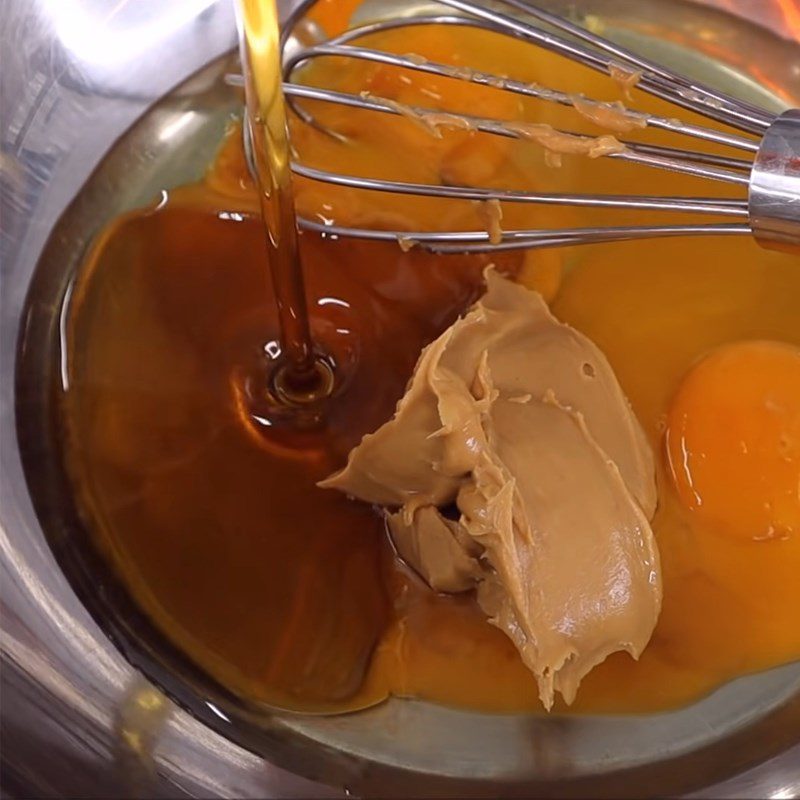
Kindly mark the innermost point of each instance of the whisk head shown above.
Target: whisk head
(768, 169)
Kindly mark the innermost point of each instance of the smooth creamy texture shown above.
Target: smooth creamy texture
(519, 421)
(440, 548)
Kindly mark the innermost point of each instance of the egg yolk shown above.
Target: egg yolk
(733, 440)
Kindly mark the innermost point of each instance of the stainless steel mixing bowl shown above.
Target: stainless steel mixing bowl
(77, 718)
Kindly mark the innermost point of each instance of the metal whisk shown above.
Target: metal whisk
(769, 170)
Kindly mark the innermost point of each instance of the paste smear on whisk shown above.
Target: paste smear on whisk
(517, 422)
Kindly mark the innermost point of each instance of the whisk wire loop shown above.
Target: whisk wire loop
(771, 144)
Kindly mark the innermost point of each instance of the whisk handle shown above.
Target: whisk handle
(774, 197)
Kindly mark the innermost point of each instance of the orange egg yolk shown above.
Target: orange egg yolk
(733, 440)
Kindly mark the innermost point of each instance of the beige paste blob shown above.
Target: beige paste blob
(516, 422)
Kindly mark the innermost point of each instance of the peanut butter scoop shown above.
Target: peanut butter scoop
(516, 423)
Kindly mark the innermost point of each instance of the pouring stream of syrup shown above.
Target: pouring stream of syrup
(303, 376)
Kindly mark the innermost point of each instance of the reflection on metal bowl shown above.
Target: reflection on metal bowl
(73, 80)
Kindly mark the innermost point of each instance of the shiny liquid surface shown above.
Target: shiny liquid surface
(291, 595)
